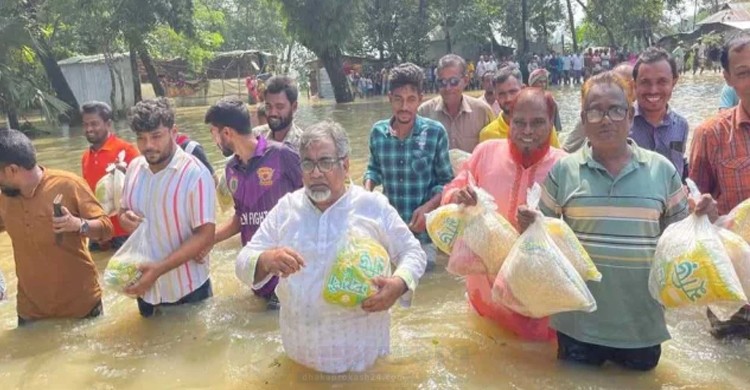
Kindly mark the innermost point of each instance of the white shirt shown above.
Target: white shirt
(566, 62)
(173, 202)
(317, 334)
(577, 63)
(490, 66)
(480, 69)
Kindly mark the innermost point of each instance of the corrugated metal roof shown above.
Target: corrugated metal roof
(93, 59)
(731, 12)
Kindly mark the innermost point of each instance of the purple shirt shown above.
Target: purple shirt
(668, 139)
(272, 172)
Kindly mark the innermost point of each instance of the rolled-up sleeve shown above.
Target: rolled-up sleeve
(405, 251)
(267, 237)
(374, 170)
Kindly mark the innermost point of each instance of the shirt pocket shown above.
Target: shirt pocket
(731, 170)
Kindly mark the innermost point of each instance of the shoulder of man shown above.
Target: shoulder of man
(720, 123)
(67, 179)
(260, 130)
(428, 106)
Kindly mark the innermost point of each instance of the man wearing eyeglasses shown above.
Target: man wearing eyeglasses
(656, 126)
(259, 174)
(462, 116)
(409, 156)
(300, 241)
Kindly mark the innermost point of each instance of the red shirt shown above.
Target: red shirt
(94, 164)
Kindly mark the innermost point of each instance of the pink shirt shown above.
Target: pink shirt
(496, 172)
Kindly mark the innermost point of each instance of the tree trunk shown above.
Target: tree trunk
(448, 45)
(422, 9)
(332, 62)
(57, 80)
(153, 77)
(289, 58)
(137, 94)
(112, 81)
(12, 116)
(524, 22)
(572, 23)
(610, 34)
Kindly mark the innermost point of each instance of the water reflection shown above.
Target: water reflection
(231, 342)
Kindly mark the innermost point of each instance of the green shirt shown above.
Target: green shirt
(619, 221)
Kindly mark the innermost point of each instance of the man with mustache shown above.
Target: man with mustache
(409, 156)
(462, 116)
(105, 146)
(260, 172)
(655, 126)
(300, 241)
(281, 104)
(173, 193)
(56, 276)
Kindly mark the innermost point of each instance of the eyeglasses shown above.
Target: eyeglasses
(452, 82)
(615, 114)
(324, 165)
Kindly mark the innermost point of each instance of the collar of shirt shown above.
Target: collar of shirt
(260, 150)
(740, 117)
(415, 130)
(586, 156)
(343, 201)
(465, 107)
(177, 160)
(668, 119)
(108, 144)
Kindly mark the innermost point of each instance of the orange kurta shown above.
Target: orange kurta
(53, 281)
(495, 171)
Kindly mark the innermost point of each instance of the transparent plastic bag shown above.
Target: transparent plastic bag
(122, 270)
(739, 253)
(738, 220)
(458, 157)
(444, 225)
(223, 193)
(692, 267)
(487, 233)
(109, 188)
(463, 261)
(359, 259)
(537, 280)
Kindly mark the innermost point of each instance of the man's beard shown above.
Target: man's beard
(318, 196)
(10, 191)
(279, 124)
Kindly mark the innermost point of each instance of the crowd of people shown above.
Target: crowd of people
(616, 179)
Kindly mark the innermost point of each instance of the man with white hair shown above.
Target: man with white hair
(300, 241)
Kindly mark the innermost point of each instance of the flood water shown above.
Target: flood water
(231, 342)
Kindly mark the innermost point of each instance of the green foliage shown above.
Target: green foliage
(625, 19)
(253, 24)
(321, 25)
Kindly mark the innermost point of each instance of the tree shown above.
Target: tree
(572, 25)
(324, 27)
(626, 19)
(19, 89)
(252, 24)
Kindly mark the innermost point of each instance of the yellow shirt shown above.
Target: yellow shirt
(499, 129)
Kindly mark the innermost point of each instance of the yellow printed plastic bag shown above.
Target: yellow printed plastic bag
(486, 232)
(739, 253)
(122, 270)
(108, 189)
(444, 225)
(568, 243)
(359, 259)
(738, 220)
(537, 280)
(458, 157)
(692, 267)
(223, 193)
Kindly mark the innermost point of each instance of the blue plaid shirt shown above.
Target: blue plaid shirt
(412, 170)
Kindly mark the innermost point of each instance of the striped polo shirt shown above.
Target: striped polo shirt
(174, 201)
(619, 221)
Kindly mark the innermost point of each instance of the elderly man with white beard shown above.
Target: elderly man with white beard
(300, 241)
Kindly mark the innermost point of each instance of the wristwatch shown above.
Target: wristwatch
(84, 227)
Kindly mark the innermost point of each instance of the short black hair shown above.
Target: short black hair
(149, 115)
(734, 44)
(406, 74)
(653, 55)
(16, 149)
(229, 112)
(503, 74)
(100, 108)
(286, 84)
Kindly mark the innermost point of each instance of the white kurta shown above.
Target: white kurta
(317, 334)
